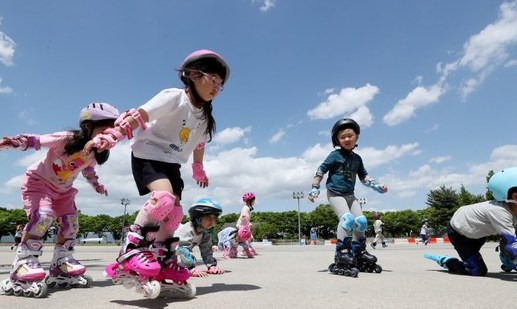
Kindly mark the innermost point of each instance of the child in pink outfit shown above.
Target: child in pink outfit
(48, 193)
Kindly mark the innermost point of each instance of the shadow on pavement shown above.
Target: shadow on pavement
(219, 287)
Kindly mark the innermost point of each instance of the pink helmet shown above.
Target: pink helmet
(248, 196)
(205, 54)
(244, 233)
(376, 216)
(98, 111)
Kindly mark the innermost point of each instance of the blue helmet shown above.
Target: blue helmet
(204, 206)
(501, 182)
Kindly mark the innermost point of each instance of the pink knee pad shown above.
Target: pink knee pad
(175, 217)
(164, 205)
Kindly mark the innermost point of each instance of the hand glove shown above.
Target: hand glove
(314, 193)
(214, 270)
(375, 186)
(196, 272)
(99, 188)
(198, 173)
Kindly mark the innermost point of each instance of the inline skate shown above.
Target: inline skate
(344, 262)
(26, 277)
(65, 270)
(136, 266)
(364, 261)
(173, 276)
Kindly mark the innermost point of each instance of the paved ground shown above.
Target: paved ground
(294, 277)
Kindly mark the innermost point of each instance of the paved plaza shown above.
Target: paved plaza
(293, 277)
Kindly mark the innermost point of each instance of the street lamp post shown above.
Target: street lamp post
(362, 201)
(298, 196)
(124, 202)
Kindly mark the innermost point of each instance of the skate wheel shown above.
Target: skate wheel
(42, 290)
(18, 292)
(378, 269)
(153, 290)
(354, 272)
(5, 287)
(27, 293)
(191, 290)
(89, 281)
(331, 268)
(49, 282)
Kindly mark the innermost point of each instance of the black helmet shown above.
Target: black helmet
(345, 123)
(204, 206)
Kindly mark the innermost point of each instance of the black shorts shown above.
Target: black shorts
(146, 171)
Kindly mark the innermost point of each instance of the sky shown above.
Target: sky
(431, 83)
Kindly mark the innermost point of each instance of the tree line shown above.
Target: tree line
(441, 204)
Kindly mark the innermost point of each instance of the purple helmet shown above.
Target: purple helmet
(205, 54)
(249, 196)
(98, 111)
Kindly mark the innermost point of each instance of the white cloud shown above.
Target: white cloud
(5, 89)
(7, 47)
(348, 100)
(266, 5)
(231, 135)
(483, 53)
(277, 136)
(439, 160)
(417, 98)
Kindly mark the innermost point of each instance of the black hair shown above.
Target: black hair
(511, 191)
(207, 65)
(81, 137)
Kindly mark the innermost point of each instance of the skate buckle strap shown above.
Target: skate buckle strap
(130, 253)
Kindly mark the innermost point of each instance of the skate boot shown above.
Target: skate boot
(373, 244)
(226, 253)
(233, 252)
(65, 270)
(365, 261)
(384, 245)
(248, 253)
(439, 259)
(173, 276)
(26, 276)
(136, 266)
(344, 262)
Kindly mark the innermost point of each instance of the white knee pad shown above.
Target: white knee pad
(162, 207)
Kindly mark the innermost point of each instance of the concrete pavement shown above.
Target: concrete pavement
(293, 277)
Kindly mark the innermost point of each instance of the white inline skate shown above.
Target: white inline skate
(136, 266)
(65, 270)
(26, 276)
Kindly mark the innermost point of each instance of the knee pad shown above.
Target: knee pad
(361, 223)
(162, 207)
(348, 221)
(475, 265)
(39, 223)
(68, 226)
(174, 218)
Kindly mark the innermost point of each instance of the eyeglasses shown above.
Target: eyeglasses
(218, 83)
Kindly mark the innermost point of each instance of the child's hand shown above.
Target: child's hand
(313, 194)
(214, 270)
(99, 188)
(13, 143)
(196, 272)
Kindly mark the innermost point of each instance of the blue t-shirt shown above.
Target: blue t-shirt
(343, 168)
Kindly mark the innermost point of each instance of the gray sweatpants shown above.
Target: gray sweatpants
(342, 204)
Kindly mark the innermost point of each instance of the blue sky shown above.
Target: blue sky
(432, 84)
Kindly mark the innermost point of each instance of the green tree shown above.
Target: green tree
(489, 196)
(443, 202)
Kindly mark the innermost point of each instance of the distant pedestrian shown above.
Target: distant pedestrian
(314, 236)
(378, 227)
(17, 236)
(424, 232)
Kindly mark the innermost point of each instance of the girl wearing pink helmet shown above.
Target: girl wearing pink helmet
(244, 224)
(48, 194)
(173, 125)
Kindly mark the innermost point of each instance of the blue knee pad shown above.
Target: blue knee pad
(361, 223)
(475, 265)
(68, 226)
(348, 221)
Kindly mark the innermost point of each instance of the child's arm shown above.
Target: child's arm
(92, 178)
(371, 183)
(20, 142)
(124, 126)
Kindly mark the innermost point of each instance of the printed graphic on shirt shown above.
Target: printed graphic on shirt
(66, 170)
(348, 169)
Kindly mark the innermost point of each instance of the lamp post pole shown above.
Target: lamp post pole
(298, 196)
(124, 202)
